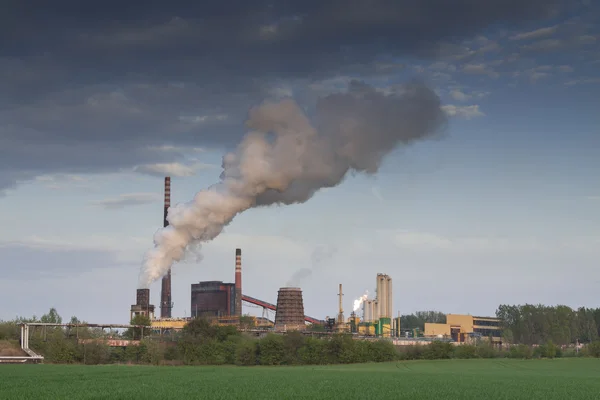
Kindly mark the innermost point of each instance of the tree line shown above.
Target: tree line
(536, 324)
(535, 331)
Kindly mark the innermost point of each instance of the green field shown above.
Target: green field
(449, 379)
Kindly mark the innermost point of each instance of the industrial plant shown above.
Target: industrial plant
(221, 303)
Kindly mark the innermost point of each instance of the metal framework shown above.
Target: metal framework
(32, 356)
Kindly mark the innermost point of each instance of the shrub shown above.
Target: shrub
(271, 350)
(292, 343)
(382, 351)
(520, 351)
(547, 350)
(245, 352)
(465, 351)
(593, 349)
(412, 352)
(438, 350)
(312, 352)
(486, 350)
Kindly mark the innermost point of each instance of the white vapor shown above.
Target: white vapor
(318, 258)
(285, 159)
(358, 302)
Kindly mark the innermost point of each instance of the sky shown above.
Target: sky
(500, 206)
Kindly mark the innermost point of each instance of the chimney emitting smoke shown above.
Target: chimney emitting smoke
(286, 159)
(165, 293)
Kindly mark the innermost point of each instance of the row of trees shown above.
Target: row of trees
(537, 324)
(530, 324)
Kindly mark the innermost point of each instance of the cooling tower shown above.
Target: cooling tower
(290, 310)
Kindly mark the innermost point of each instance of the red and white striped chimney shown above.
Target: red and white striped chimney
(165, 294)
(238, 282)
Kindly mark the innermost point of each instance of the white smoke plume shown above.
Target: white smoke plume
(320, 255)
(285, 159)
(358, 302)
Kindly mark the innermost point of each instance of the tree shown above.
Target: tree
(137, 333)
(52, 317)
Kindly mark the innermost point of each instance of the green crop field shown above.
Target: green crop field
(449, 379)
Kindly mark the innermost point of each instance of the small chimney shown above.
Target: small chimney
(238, 282)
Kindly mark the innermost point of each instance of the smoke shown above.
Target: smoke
(358, 302)
(299, 276)
(285, 159)
(319, 256)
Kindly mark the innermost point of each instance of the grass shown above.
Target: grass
(415, 380)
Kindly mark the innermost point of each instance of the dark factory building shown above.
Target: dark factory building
(213, 299)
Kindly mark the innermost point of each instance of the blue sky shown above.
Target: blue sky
(504, 207)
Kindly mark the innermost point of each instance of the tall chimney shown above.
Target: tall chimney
(341, 309)
(165, 293)
(238, 282)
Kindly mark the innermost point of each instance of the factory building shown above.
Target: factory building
(213, 299)
(218, 299)
(464, 328)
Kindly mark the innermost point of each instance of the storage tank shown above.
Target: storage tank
(390, 298)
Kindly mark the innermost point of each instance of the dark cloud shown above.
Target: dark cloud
(93, 86)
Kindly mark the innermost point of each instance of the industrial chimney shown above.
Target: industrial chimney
(340, 319)
(142, 305)
(238, 282)
(165, 293)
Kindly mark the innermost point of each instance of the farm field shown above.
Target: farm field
(444, 379)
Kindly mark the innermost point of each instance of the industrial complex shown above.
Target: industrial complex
(221, 303)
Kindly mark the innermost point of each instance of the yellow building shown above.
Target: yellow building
(463, 328)
(169, 323)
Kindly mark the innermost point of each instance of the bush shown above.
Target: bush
(465, 351)
(593, 349)
(382, 351)
(547, 350)
(438, 350)
(486, 350)
(271, 350)
(292, 343)
(312, 352)
(520, 351)
(152, 352)
(245, 352)
(95, 353)
(412, 352)
(335, 348)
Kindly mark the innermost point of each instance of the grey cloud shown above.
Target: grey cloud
(536, 34)
(171, 169)
(126, 200)
(99, 88)
(466, 112)
(22, 262)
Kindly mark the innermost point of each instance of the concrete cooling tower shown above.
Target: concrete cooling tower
(290, 310)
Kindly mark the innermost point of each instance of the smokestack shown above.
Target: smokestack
(165, 293)
(142, 305)
(341, 309)
(238, 282)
